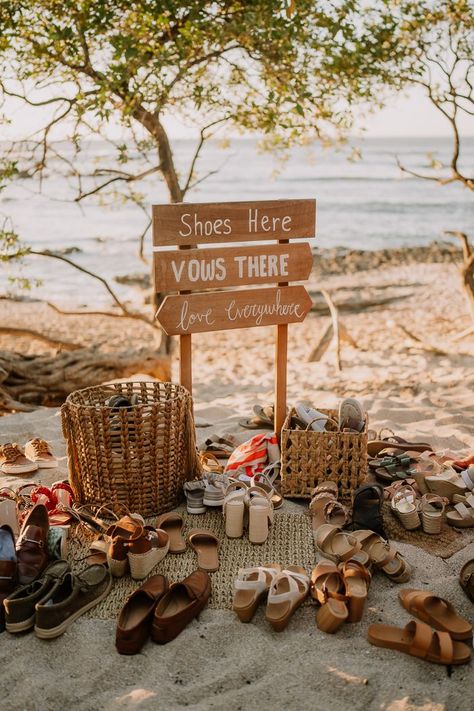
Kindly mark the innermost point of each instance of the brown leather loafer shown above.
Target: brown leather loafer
(133, 625)
(179, 606)
(20, 612)
(31, 546)
(71, 597)
(8, 568)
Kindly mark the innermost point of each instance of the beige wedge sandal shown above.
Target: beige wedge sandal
(147, 551)
(250, 587)
(263, 482)
(463, 514)
(260, 515)
(235, 502)
(404, 506)
(327, 588)
(339, 546)
(287, 592)
(432, 511)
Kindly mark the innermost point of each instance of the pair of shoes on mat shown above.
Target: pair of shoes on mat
(209, 490)
(36, 455)
(449, 643)
(249, 506)
(341, 591)
(283, 589)
(160, 610)
(52, 602)
(366, 547)
(203, 541)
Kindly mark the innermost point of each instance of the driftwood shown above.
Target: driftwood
(353, 306)
(335, 330)
(424, 345)
(53, 342)
(467, 268)
(29, 380)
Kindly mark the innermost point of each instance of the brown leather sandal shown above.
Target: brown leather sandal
(419, 640)
(466, 579)
(357, 580)
(206, 545)
(325, 508)
(437, 612)
(337, 545)
(327, 588)
(384, 556)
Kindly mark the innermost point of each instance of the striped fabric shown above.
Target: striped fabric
(253, 456)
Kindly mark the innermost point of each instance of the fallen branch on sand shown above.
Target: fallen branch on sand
(424, 345)
(334, 331)
(352, 306)
(29, 333)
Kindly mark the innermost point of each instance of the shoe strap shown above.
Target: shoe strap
(295, 581)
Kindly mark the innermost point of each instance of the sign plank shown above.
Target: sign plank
(218, 311)
(217, 222)
(198, 269)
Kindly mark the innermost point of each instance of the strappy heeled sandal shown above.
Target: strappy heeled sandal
(384, 556)
(405, 506)
(235, 501)
(265, 483)
(287, 592)
(325, 508)
(260, 514)
(432, 512)
(337, 545)
(251, 587)
(327, 588)
(357, 580)
(437, 612)
(419, 640)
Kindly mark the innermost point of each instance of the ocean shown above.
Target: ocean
(363, 202)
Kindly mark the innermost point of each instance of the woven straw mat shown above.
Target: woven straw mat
(290, 542)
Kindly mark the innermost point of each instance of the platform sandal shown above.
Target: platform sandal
(260, 515)
(251, 587)
(327, 588)
(463, 514)
(234, 507)
(287, 592)
(404, 506)
(432, 512)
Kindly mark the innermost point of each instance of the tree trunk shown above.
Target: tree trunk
(28, 380)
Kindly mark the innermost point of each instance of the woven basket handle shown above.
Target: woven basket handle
(67, 434)
(326, 419)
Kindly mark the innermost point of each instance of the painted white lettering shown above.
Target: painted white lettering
(189, 318)
(240, 261)
(221, 271)
(177, 271)
(286, 221)
(284, 264)
(227, 227)
(183, 222)
(253, 220)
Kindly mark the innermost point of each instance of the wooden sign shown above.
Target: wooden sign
(190, 224)
(224, 310)
(190, 268)
(183, 270)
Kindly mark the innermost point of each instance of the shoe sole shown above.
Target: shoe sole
(213, 502)
(60, 629)
(47, 465)
(196, 511)
(15, 627)
(19, 469)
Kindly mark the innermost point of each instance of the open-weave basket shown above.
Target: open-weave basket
(308, 458)
(139, 456)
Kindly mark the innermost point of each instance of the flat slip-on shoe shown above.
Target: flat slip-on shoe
(182, 603)
(32, 545)
(71, 597)
(437, 612)
(20, 612)
(133, 625)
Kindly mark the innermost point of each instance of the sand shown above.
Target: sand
(218, 663)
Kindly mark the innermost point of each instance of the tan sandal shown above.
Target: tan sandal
(260, 515)
(432, 511)
(325, 508)
(206, 545)
(287, 592)
(235, 502)
(404, 506)
(172, 523)
(463, 514)
(147, 551)
(447, 483)
(384, 556)
(419, 640)
(437, 612)
(251, 587)
(327, 587)
(357, 580)
(263, 482)
(338, 545)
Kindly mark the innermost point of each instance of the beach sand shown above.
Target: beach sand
(219, 663)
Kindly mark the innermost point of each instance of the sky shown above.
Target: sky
(407, 114)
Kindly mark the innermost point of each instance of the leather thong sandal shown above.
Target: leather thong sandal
(339, 546)
(206, 545)
(250, 587)
(419, 640)
(287, 592)
(437, 612)
(327, 588)
(384, 556)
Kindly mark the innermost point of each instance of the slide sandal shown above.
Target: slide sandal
(339, 546)
(437, 612)
(206, 545)
(351, 415)
(172, 523)
(463, 515)
(311, 417)
(287, 592)
(419, 640)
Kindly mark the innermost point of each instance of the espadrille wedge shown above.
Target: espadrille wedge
(404, 506)
(432, 511)
(147, 551)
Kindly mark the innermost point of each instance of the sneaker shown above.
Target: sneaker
(216, 486)
(194, 492)
(39, 451)
(20, 610)
(71, 597)
(13, 460)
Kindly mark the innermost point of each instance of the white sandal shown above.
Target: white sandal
(234, 509)
(287, 592)
(405, 507)
(432, 509)
(251, 586)
(260, 514)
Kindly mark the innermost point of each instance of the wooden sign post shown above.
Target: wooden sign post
(192, 268)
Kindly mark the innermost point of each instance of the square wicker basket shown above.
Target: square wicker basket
(308, 458)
